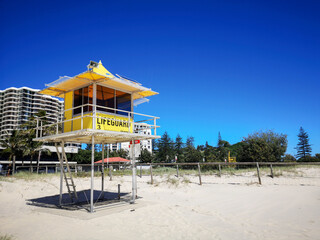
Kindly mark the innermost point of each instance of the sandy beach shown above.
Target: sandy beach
(227, 207)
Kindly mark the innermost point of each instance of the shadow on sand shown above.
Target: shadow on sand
(83, 202)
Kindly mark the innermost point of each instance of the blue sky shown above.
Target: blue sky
(229, 66)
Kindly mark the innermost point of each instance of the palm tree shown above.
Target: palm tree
(13, 145)
(31, 147)
(34, 147)
(29, 133)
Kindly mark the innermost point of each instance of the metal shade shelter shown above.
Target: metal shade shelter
(99, 75)
(113, 160)
(95, 117)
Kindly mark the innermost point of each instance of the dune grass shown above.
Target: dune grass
(6, 237)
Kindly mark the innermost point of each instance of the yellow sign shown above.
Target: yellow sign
(113, 123)
(231, 159)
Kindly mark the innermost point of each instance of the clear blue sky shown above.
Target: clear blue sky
(229, 66)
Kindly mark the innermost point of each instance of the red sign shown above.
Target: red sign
(135, 142)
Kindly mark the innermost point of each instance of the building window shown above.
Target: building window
(108, 99)
(81, 97)
(105, 98)
(123, 102)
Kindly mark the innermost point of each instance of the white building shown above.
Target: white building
(144, 144)
(17, 105)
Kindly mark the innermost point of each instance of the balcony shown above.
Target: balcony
(108, 125)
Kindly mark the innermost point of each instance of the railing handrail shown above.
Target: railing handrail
(127, 119)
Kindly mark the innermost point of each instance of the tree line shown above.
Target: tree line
(267, 146)
(263, 146)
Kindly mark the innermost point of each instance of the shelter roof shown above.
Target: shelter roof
(99, 74)
(113, 160)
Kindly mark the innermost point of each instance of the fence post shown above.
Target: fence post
(177, 170)
(219, 170)
(199, 170)
(140, 171)
(258, 172)
(110, 172)
(46, 169)
(119, 191)
(271, 170)
(151, 174)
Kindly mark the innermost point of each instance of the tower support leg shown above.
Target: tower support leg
(102, 173)
(134, 174)
(92, 174)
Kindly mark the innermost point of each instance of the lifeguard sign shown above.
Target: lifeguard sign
(98, 109)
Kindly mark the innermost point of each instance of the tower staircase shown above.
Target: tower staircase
(64, 165)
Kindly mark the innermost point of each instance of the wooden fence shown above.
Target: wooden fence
(218, 166)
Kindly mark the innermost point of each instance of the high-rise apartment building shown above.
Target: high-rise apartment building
(17, 105)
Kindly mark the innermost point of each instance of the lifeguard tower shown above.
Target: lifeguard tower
(98, 109)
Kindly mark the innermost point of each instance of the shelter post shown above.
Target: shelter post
(108, 145)
(61, 172)
(134, 180)
(92, 174)
(94, 113)
(102, 172)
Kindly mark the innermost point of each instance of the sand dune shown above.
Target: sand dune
(230, 207)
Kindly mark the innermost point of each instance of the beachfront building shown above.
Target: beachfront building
(17, 105)
(98, 109)
(143, 144)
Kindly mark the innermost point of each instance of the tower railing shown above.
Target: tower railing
(136, 122)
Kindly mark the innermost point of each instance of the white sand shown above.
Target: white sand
(222, 208)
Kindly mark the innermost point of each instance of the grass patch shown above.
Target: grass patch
(172, 181)
(185, 180)
(6, 237)
(27, 176)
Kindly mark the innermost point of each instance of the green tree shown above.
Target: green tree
(13, 145)
(235, 149)
(219, 138)
(209, 153)
(178, 145)
(222, 150)
(31, 148)
(119, 153)
(165, 147)
(145, 156)
(84, 156)
(289, 158)
(303, 146)
(190, 152)
(263, 147)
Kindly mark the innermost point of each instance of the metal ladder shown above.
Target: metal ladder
(64, 165)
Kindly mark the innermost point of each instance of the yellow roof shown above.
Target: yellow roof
(99, 74)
